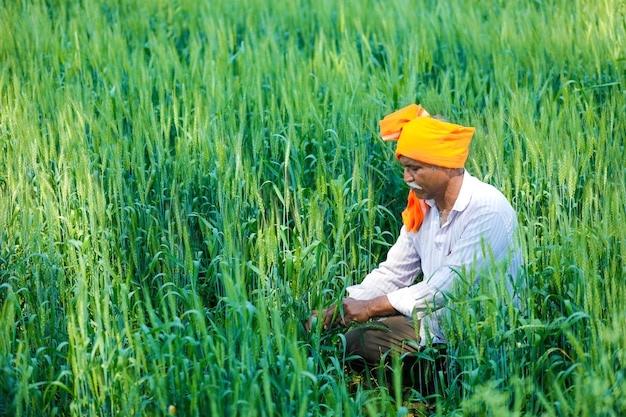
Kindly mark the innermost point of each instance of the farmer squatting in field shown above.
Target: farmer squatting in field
(454, 224)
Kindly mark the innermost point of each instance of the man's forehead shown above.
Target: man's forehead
(405, 160)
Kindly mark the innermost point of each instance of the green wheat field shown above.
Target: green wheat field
(183, 181)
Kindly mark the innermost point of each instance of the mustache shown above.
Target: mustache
(413, 185)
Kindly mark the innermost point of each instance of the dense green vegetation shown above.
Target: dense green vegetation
(182, 181)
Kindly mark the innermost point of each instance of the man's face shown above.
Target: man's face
(427, 181)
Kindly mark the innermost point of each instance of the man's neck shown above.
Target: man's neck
(451, 193)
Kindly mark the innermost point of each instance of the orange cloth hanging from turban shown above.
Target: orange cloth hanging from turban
(413, 215)
(427, 140)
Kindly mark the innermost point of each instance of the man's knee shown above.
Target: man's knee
(372, 343)
(364, 343)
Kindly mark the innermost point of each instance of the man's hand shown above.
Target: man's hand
(358, 311)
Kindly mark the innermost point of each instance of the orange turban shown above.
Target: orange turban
(426, 139)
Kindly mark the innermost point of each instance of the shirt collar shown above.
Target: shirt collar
(465, 194)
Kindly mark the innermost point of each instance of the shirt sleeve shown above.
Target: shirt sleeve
(399, 270)
(488, 235)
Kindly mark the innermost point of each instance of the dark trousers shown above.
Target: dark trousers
(374, 346)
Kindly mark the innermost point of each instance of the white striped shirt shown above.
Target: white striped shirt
(480, 232)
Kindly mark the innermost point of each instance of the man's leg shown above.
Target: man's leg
(390, 333)
(398, 334)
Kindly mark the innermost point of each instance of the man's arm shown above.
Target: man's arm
(352, 310)
(369, 299)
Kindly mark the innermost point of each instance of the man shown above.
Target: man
(454, 225)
